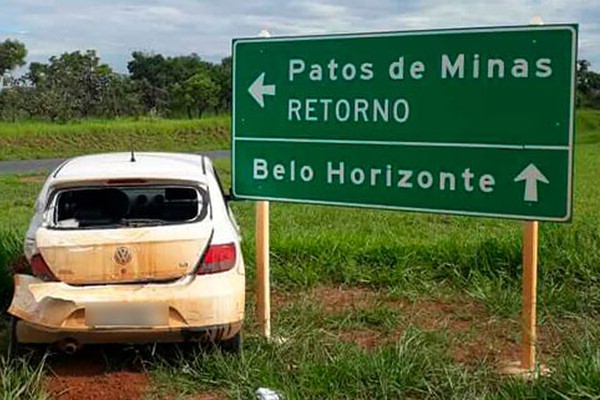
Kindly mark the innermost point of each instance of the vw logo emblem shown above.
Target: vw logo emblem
(122, 255)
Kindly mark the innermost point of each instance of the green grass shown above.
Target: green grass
(588, 126)
(309, 366)
(411, 257)
(16, 206)
(29, 139)
(32, 139)
(20, 379)
(312, 363)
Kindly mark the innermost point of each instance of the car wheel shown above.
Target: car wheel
(13, 344)
(232, 345)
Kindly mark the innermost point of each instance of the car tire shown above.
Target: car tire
(232, 345)
(13, 343)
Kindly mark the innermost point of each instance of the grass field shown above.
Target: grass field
(33, 140)
(28, 140)
(374, 304)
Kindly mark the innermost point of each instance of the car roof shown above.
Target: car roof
(147, 165)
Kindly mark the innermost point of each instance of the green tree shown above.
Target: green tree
(165, 83)
(77, 85)
(150, 73)
(38, 72)
(181, 68)
(179, 83)
(588, 85)
(196, 94)
(118, 97)
(203, 91)
(12, 55)
(222, 76)
(15, 99)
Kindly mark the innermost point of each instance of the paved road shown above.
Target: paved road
(48, 164)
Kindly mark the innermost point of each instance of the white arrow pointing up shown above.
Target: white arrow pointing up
(531, 175)
(258, 89)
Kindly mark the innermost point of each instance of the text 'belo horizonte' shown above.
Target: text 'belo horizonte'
(339, 173)
(396, 110)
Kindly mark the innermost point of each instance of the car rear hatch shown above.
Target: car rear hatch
(100, 234)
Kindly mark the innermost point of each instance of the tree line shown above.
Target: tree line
(588, 86)
(78, 85)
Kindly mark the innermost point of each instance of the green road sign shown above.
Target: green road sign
(466, 121)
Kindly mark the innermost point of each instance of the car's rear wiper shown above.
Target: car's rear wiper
(133, 222)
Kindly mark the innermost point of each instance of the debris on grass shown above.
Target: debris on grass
(267, 394)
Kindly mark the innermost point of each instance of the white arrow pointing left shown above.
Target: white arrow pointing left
(531, 175)
(258, 90)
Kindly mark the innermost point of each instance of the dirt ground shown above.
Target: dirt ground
(88, 375)
(476, 335)
(101, 372)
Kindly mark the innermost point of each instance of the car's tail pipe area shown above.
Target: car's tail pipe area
(69, 346)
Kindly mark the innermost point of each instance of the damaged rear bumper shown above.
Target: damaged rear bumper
(205, 308)
(31, 333)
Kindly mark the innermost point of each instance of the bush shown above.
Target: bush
(10, 251)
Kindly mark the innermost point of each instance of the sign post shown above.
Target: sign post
(530, 256)
(529, 299)
(262, 247)
(263, 289)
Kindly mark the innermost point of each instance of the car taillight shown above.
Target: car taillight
(41, 269)
(218, 258)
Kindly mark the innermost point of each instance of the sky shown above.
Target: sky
(115, 28)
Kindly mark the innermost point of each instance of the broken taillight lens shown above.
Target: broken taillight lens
(40, 269)
(218, 258)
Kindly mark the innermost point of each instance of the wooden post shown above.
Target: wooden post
(263, 284)
(263, 289)
(530, 259)
(530, 262)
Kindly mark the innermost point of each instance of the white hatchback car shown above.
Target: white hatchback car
(131, 248)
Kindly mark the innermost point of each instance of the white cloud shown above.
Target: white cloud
(323, 11)
(116, 28)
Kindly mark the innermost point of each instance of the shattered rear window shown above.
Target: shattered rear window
(128, 206)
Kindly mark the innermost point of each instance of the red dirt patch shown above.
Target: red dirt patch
(334, 299)
(337, 299)
(369, 339)
(456, 315)
(487, 339)
(475, 334)
(85, 377)
(116, 385)
(459, 317)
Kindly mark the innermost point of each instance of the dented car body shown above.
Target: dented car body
(131, 249)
